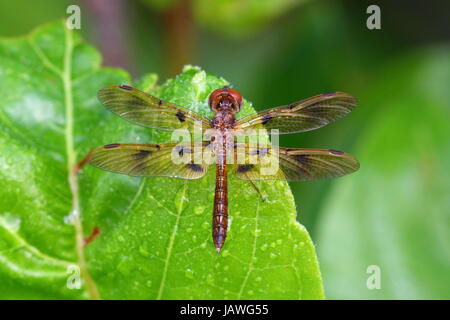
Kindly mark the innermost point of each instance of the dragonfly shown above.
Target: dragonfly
(157, 160)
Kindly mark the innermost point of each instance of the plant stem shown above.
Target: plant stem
(179, 36)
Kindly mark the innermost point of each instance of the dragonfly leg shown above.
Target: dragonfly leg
(262, 196)
(79, 165)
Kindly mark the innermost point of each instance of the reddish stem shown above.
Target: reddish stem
(94, 234)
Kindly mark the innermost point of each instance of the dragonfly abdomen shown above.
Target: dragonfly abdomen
(220, 213)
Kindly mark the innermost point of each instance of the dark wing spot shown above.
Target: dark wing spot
(266, 118)
(194, 167)
(302, 158)
(336, 152)
(142, 154)
(181, 116)
(139, 168)
(158, 147)
(112, 145)
(125, 87)
(261, 152)
(182, 150)
(244, 168)
(160, 102)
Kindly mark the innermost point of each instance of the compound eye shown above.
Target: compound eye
(236, 95)
(214, 95)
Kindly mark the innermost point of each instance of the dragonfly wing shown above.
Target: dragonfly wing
(304, 115)
(295, 164)
(150, 160)
(148, 111)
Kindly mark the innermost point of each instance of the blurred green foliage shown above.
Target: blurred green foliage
(161, 5)
(240, 18)
(399, 75)
(236, 18)
(395, 212)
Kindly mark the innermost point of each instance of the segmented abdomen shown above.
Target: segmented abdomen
(220, 214)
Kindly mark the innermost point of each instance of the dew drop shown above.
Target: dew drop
(189, 273)
(149, 283)
(225, 253)
(10, 222)
(70, 218)
(264, 247)
(206, 225)
(143, 251)
(199, 210)
(124, 267)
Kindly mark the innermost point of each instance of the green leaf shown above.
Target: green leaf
(394, 213)
(155, 239)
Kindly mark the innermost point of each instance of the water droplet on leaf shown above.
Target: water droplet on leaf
(189, 273)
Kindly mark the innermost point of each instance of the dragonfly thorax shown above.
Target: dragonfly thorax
(223, 119)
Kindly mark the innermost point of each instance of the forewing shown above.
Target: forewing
(150, 160)
(304, 115)
(148, 111)
(295, 164)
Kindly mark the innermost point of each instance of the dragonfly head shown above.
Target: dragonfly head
(225, 99)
